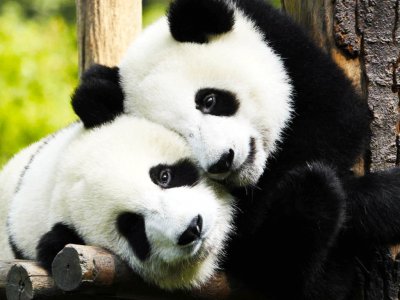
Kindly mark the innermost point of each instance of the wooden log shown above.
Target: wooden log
(105, 29)
(76, 265)
(83, 268)
(5, 266)
(27, 280)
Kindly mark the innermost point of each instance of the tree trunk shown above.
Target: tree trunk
(362, 36)
(105, 30)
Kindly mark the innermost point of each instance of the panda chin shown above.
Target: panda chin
(247, 175)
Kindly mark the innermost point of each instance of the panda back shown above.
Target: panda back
(9, 177)
(29, 183)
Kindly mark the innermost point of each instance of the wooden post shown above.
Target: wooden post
(363, 37)
(105, 29)
(26, 280)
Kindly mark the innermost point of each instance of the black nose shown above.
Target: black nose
(224, 164)
(192, 233)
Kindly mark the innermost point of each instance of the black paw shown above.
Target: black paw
(313, 195)
(99, 97)
(53, 242)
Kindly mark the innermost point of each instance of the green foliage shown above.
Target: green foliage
(43, 9)
(276, 3)
(38, 73)
(153, 10)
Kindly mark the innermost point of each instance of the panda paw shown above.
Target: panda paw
(54, 241)
(313, 195)
(99, 97)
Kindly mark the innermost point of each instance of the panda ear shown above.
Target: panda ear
(99, 98)
(195, 20)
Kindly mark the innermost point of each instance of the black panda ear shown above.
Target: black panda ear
(195, 20)
(99, 98)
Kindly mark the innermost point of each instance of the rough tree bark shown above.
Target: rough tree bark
(363, 38)
(105, 29)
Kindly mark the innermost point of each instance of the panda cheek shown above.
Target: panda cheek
(132, 227)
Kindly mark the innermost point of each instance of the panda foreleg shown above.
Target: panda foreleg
(303, 224)
(54, 241)
(373, 206)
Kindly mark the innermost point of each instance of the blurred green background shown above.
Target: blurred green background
(38, 67)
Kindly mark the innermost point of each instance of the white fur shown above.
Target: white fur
(9, 178)
(86, 178)
(160, 78)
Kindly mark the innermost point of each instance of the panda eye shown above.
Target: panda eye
(216, 102)
(182, 173)
(164, 178)
(209, 102)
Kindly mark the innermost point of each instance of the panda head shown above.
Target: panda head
(207, 73)
(131, 186)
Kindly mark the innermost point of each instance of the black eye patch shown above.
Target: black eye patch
(183, 173)
(132, 227)
(216, 102)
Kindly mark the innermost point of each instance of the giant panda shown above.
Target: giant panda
(269, 115)
(130, 186)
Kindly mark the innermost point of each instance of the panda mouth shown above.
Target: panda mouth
(219, 176)
(223, 177)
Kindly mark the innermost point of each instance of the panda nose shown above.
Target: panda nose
(224, 164)
(192, 233)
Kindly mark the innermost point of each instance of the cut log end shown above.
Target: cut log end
(67, 270)
(27, 281)
(19, 285)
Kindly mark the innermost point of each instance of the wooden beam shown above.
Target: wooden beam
(105, 29)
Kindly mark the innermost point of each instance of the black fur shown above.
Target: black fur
(195, 21)
(184, 172)
(54, 241)
(99, 98)
(374, 214)
(132, 227)
(291, 235)
(225, 104)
